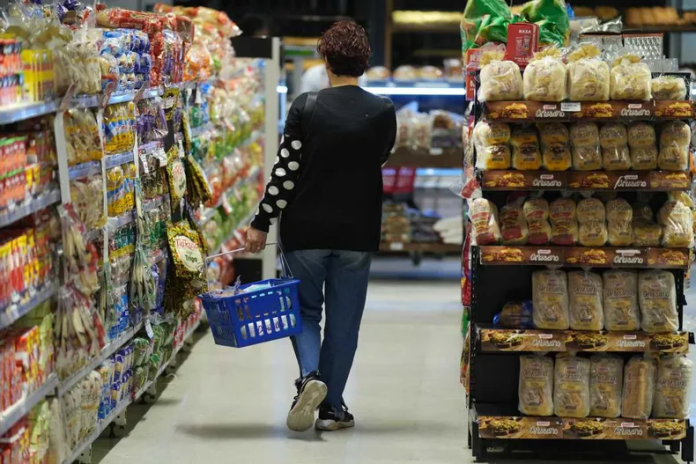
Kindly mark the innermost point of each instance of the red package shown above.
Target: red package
(523, 42)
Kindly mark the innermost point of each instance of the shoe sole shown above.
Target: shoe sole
(301, 417)
(332, 426)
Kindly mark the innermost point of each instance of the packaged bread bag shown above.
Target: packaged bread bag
(675, 137)
(638, 388)
(646, 232)
(490, 140)
(657, 297)
(535, 389)
(513, 225)
(550, 299)
(588, 75)
(643, 146)
(613, 138)
(555, 146)
(620, 300)
(500, 79)
(536, 212)
(630, 79)
(677, 223)
(545, 77)
(584, 141)
(592, 220)
(585, 298)
(606, 385)
(564, 222)
(484, 220)
(526, 155)
(619, 222)
(668, 88)
(571, 386)
(672, 388)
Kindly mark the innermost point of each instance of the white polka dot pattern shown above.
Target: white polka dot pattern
(294, 165)
(281, 204)
(288, 185)
(284, 153)
(296, 144)
(273, 190)
(277, 160)
(280, 172)
(267, 208)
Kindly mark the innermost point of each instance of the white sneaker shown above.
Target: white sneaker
(311, 392)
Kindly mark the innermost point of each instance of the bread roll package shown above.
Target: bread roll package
(571, 386)
(535, 389)
(641, 135)
(491, 133)
(484, 220)
(613, 135)
(646, 233)
(677, 223)
(616, 159)
(630, 79)
(526, 155)
(513, 225)
(490, 140)
(584, 140)
(545, 77)
(638, 388)
(606, 385)
(553, 132)
(620, 300)
(619, 222)
(675, 137)
(585, 298)
(500, 79)
(657, 297)
(564, 223)
(536, 212)
(668, 88)
(672, 387)
(592, 229)
(588, 76)
(555, 146)
(550, 299)
(675, 132)
(644, 158)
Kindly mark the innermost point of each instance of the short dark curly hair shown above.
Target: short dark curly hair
(346, 48)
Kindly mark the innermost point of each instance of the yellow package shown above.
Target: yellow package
(535, 388)
(550, 299)
(571, 393)
(606, 385)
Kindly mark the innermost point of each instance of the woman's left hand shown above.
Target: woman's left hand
(255, 241)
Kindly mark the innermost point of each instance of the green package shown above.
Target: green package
(484, 21)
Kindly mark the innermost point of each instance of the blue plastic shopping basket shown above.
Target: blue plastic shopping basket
(257, 316)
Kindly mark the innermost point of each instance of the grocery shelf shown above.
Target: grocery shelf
(10, 416)
(22, 111)
(116, 223)
(82, 170)
(420, 247)
(156, 202)
(200, 130)
(29, 206)
(433, 158)
(435, 88)
(13, 313)
(427, 28)
(208, 213)
(111, 161)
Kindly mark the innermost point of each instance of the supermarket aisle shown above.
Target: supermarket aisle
(226, 405)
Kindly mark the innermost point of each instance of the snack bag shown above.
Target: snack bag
(526, 155)
(535, 389)
(536, 212)
(500, 79)
(606, 384)
(657, 296)
(513, 224)
(550, 299)
(564, 222)
(571, 393)
(630, 79)
(677, 224)
(588, 75)
(673, 387)
(545, 77)
(620, 291)
(668, 88)
(638, 388)
(555, 152)
(675, 137)
(484, 220)
(584, 140)
(585, 295)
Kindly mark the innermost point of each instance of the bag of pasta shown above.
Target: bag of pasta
(675, 137)
(545, 77)
(526, 155)
(571, 392)
(677, 223)
(620, 222)
(606, 385)
(536, 212)
(672, 388)
(484, 220)
(620, 291)
(588, 75)
(535, 389)
(490, 140)
(638, 388)
(550, 299)
(668, 88)
(657, 296)
(513, 225)
(630, 79)
(555, 146)
(500, 79)
(585, 296)
(591, 217)
(564, 222)
(584, 140)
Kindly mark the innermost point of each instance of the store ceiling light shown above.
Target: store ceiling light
(416, 91)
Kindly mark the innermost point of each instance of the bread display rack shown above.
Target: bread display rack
(503, 273)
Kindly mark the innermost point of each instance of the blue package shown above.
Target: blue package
(515, 314)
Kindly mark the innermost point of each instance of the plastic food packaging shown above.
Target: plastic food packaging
(620, 222)
(82, 136)
(550, 298)
(621, 311)
(405, 73)
(535, 389)
(657, 296)
(606, 385)
(515, 314)
(490, 140)
(675, 137)
(641, 135)
(500, 79)
(631, 79)
(638, 388)
(588, 75)
(545, 77)
(585, 297)
(555, 148)
(536, 212)
(526, 155)
(677, 224)
(673, 387)
(378, 73)
(484, 219)
(668, 88)
(591, 217)
(564, 222)
(613, 139)
(644, 159)
(584, 139)
(571, 393)
(119, 128)
(513, 224)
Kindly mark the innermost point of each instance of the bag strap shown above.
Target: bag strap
(308, 111)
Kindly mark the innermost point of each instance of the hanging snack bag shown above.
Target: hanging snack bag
(584, 141)
(555, 146)
(668, 88)
(490, 140)
(535, 389)
(500, 79)
(564, 222)
(630, 79)
(677, 223)
(620, 292)
(545, 77)
(672, 388)
(484, 220)
(606, 384)
(657, 296)
(675, 137)
(550, 299)
(613, 139)
(513, 225)
(620, 222)
(591, 217)
(571, 392)
(585, 296)
(588, 75)
(526, 155)
(638, 388)
(536, 212)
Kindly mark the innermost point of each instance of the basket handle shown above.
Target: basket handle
(284, 266)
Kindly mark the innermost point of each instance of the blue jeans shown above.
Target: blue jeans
(338, 280)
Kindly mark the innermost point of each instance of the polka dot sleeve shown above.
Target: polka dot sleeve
(286, 171)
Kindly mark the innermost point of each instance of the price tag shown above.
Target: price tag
(436, 151)
(396, 246)
(571, 107)
(148, 328)
(143, 160)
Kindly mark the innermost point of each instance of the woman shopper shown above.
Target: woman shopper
(327, 183)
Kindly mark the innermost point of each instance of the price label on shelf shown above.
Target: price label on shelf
(436, 151)
(571, 107)
(396, 246)
(148, 328)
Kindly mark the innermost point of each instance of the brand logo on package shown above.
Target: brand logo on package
(547, 180)
(629, 257)
(550, 111)
(630, 181)
(635, 110)
(544, 256)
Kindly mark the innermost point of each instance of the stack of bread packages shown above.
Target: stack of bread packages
(564, 222)
(620, 222)
(536, 213)
(646, 232)
(491, 142)
(620, 300)
(639, 387)
(657, 297)
(513, 225)
(613, 138)
(484, 222)
(677, 221)
(588, 75)
(571, 396)
(584, 141)
(500, 79)
(606, 385)
(585, 298)
(630, 79)
(643, 146)
(535, 389)
(675, 137)
(592, 219)
(668, 88)
(550, 299)
(526, 155)
(672, 387)
(555, 146)
(545, 77)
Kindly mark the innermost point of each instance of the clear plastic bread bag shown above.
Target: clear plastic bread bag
(675, 137)
(606, 384)
(592, 219)
(526, 155)
(620, 222)
(668, 88)
(630, 79)
(638, 388)
(550, 299)
(545, 77)
(535, 388)
(513, 224)
(564, 222)
(657, 296)
(555, 146)
(584, 141)
(585, 298)
(613, 139)
(620, 298)
(492, 151)
(673, 387)
(571, 392)
(536, 212)
(643, 145)
(588, 75)
(500, 79)
(484, 220)
(677, 223)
